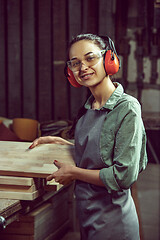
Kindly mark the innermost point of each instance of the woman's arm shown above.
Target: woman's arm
(67, 173)
(49, 139)
(129, 156)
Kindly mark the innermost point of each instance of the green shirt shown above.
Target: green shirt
(122, 141)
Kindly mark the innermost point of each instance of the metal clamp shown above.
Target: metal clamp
(2, 223)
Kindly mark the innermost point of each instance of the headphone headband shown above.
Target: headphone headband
(110, 46)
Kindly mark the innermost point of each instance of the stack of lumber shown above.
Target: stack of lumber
(23, 171)
(21, 188)
(49, 220)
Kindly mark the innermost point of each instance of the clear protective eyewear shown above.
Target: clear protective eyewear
(89, 60)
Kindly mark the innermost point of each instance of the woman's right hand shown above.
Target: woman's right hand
(49, 139)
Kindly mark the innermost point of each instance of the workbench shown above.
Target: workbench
(29, 216)
(47, 217)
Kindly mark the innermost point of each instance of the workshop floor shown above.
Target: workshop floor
(148, 190)
(148, 196)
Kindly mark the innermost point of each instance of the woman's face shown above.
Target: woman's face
(87, 76)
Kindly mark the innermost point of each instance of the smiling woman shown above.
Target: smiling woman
(87, 73)
(110, 144)
(101, 51)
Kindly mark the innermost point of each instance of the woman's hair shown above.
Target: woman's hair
(90, 37)
(98, 41)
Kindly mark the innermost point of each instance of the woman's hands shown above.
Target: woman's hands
(63, 175)
(66, 173)
(49, 139)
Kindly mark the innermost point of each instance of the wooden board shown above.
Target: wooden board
(9, 207)
(21, 182)
(21, 195)
(14, 61)
(17, 160)
(22, 188)
(60, 88)
(18, 181)
(29, 59)
(3, 42)
(44, 56)
(14, 188)
(52, 186)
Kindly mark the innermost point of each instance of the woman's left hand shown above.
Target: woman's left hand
(63, 175)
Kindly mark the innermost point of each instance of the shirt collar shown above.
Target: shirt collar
(111, 102)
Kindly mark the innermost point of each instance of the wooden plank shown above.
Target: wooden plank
(60, 84)
(26, 185)
(6, 180)
(44, 61)
(20, 184)
(9, 207)
(3, 108)
(14, 188)
(28, 58)
(21, 195)
(17, 160)
(14, 59)
(52, 186)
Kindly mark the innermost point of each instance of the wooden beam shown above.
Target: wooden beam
(28, 60)
(59, 39)
(14, 59)
(44, 55)
(3, 59)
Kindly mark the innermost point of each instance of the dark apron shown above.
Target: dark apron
(101, 215)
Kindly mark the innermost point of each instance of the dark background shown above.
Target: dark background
(34, 36)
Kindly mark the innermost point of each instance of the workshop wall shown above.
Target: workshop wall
(34, 35)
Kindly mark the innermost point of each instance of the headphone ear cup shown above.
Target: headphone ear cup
(111, 63)
(72, 79)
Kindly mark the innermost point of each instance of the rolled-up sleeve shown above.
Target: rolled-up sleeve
(129, 150)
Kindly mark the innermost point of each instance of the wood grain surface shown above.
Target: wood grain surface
(17, 160)
(21, 195)
(18, 181)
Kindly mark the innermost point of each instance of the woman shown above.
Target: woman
(110, 145)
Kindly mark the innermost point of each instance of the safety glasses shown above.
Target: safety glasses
(89, 60)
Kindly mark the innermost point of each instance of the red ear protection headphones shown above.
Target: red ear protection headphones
(71, 78)
(111, 63)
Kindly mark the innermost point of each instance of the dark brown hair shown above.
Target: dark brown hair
(99, 41)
